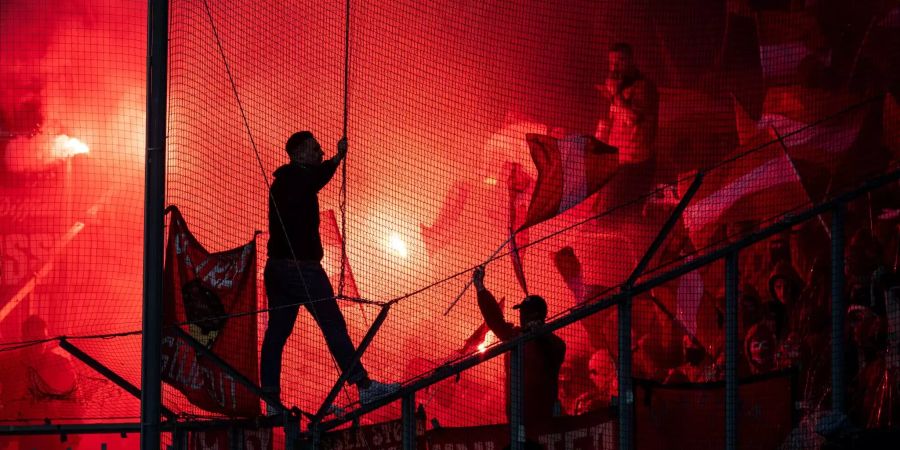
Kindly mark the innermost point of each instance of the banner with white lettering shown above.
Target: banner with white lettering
(381, 436)
(205, 295)
(593, 431)
(231, 439)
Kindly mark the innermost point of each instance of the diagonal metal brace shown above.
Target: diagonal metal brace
(234, 373)
(665, 230)
(109, 374)
(363, 345)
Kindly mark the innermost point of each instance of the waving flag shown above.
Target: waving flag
(439, 234)
(785, 40)
(569, 171)
(210, 291)
(818, 132)
(752, 188)
(518, 184)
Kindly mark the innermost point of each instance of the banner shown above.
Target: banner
(594, 431)
(205, 290)
(232, 439)
(692, 416)
(381, 436)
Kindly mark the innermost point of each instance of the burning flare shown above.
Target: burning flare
(66, 147)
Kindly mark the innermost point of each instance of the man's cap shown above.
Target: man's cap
(533, 303)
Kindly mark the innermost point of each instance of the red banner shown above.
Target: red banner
(693, 416)
(595, 431)
(381, 436)
(206, 290)
(234, 439)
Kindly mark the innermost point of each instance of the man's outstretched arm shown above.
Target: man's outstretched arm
(326, 171)
(490, 309)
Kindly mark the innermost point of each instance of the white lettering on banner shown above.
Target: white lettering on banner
(252, 437)
(184, 369)
(572, 435)
(201, 438)
(601, 438)
(386, 433)
(21, 255)
(222, 275)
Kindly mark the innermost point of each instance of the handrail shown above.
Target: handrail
(598, 304)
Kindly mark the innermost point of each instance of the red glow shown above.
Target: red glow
(489, 339)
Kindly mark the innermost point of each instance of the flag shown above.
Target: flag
(332, 244)
(795, 118)
(756, 187)
(817, 127)
(891, 123)
(739, 62)
(439, 234)
(748, 129)
(518, 184)
(213, 293)
(569, 171)
(233, 438)
(786, 39)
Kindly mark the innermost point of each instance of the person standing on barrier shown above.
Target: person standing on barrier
(543, 355)
(294, 275)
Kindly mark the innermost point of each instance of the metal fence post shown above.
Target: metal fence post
(154, 195)
(838, 393)
(626, 390)
(731, 349)
(291, 430)
(408, 406)
(179, 439)
(516, 398)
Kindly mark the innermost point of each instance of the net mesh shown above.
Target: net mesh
(465, 121)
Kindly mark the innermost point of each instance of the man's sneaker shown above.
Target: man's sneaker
(377, 390)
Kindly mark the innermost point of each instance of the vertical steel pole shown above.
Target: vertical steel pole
(154, 204)
(838, 392)
(408, 406)
(731, 349)
(516, 398)
(626, 390)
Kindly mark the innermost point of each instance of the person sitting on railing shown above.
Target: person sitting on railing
(543, 355)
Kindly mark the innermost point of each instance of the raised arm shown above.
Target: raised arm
(490, 309)
(642, 104)
(325, 172)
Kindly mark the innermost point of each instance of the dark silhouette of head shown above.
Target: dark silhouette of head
(302, 147)
(532, 310)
